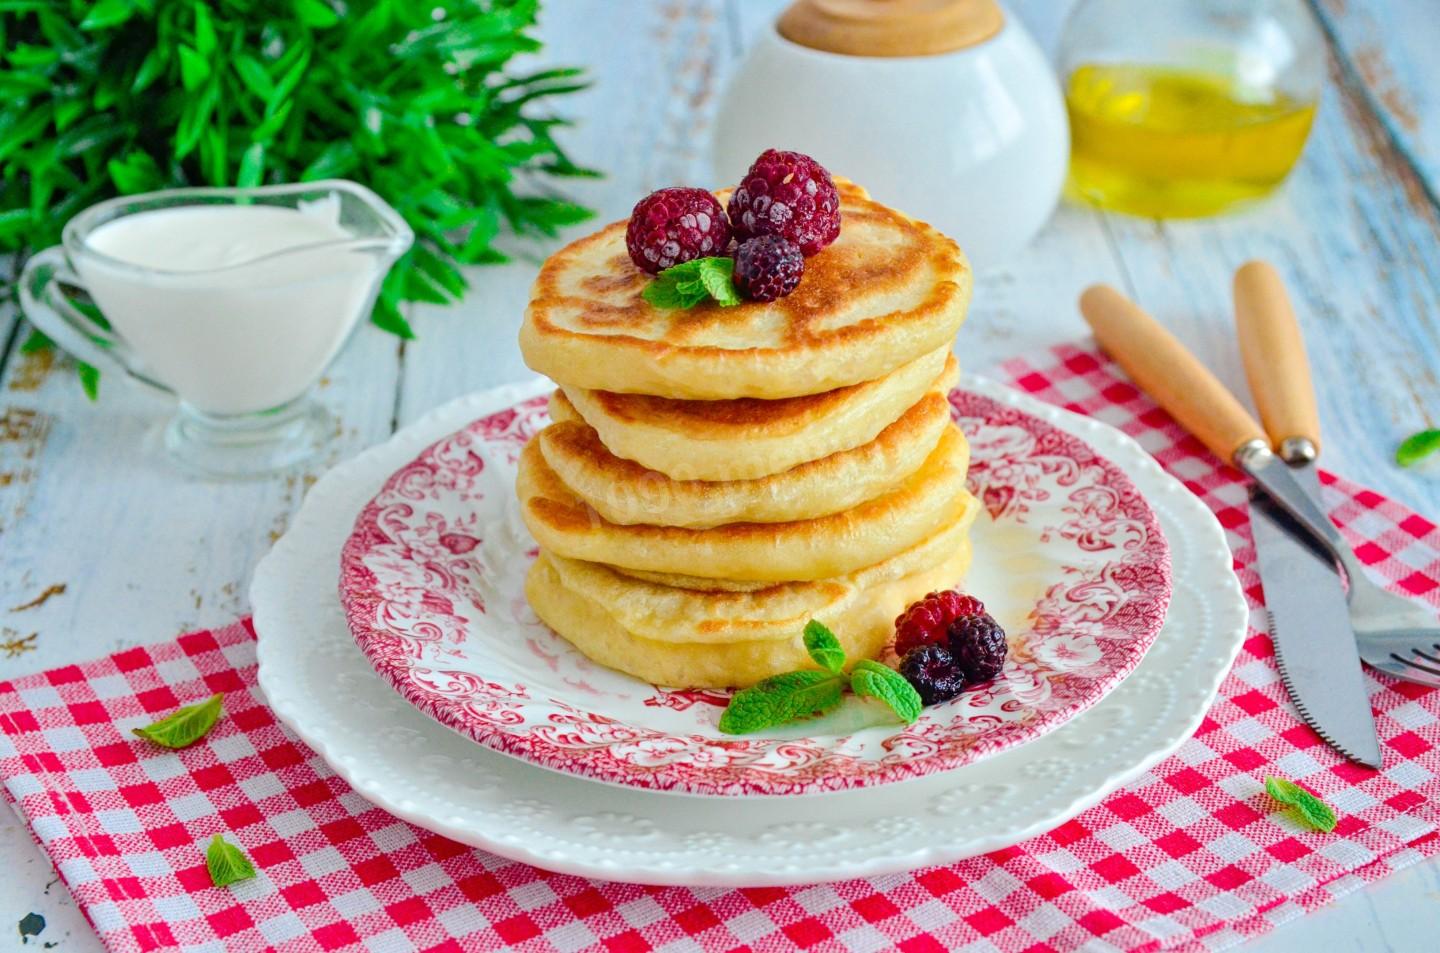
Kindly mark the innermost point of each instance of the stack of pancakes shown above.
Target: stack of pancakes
(716, 477)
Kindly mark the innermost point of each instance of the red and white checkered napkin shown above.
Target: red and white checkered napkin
(1190, 854)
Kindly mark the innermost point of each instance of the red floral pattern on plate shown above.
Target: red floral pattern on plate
(1071, 558)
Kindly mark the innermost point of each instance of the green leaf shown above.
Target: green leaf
(1417, 447)
(1310, 809)
(194, 67)
(685, 285)
(36, 341)
(205, 38)
(387, 317)
(256, 80)
(151, 69)
(14, 222)
(107, 13)
(716, 274)
(90, 383)
(227, 863)
(781, 698)
(823, 647)
(184, 726)
(252, 166)
(134, 173)
(315, 14)
(870, 679)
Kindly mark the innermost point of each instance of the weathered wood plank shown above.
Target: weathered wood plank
(1387, 51)
(143, 551)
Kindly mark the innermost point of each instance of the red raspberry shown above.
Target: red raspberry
(767, 267)
(787, 194)
(672, 226)
(927, 622)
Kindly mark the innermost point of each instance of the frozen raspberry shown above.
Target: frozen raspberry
(676, 225)
(767, 267)
(787, 194)
(978, 644)
(927, 622)
(934, 673)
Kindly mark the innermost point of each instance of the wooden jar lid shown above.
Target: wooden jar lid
(890, 27)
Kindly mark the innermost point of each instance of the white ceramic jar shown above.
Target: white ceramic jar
(974, 141)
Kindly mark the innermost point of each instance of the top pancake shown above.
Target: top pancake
(887, 291)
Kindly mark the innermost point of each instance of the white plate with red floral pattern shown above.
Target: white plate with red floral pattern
(325, 691)
(1069, 557)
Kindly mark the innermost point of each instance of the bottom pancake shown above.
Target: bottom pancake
(863, 623)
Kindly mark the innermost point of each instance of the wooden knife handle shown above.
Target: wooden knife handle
(1168, 372)
(1274, 354)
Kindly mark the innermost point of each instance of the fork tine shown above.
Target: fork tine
(1416, 665)
(1426, 657)
(1401, 669)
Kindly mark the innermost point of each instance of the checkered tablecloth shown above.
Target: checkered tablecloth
(1192, 854)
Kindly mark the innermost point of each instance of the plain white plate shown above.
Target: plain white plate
(320, 686)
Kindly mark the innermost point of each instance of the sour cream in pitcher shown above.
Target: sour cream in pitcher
(238, 308)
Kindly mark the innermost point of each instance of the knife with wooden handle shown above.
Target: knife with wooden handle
(1305, 601)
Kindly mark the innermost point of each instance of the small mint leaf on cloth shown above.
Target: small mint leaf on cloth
(184, 726)
(1417, 447)
(685, 285)
(227, 863)
(872, 680)
(823, 647)
(779, 699)
(1313, 811)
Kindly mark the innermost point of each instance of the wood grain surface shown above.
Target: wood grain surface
(144, 553)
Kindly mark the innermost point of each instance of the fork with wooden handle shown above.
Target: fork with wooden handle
(1170, 374)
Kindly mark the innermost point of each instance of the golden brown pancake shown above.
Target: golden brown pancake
(860, 610)
(749, 438)
(627, 493)
(834, 545)
(887, 291)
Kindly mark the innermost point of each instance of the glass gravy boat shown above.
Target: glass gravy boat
(241, 343)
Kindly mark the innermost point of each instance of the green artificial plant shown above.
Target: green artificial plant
(417, 99)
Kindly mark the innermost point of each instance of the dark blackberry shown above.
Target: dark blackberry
(978, 644)
(767, 267)
(934, 673)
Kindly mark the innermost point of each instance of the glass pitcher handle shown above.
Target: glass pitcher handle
(44, 305)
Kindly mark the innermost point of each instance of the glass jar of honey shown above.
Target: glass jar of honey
(1187, 108)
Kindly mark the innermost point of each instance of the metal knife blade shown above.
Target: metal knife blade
(1309, 622)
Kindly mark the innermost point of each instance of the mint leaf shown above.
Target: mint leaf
(227, 863)
(184, 726)
(717, 275)
(685, 285)
(823, 647)
(779, 699)
(873, 680)
(1417, 447)
(1313, 811)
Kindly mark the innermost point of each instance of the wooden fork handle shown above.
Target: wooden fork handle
(1275, 364)
(1169, 373)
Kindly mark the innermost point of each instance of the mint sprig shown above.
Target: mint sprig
(227, 863)
(184, 726)
(685, 285)
(1417, 447)
(793, 695)
(1309, 808)
(872, 680)
(823, 647)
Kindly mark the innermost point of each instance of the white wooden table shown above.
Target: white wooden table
(144, 553)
